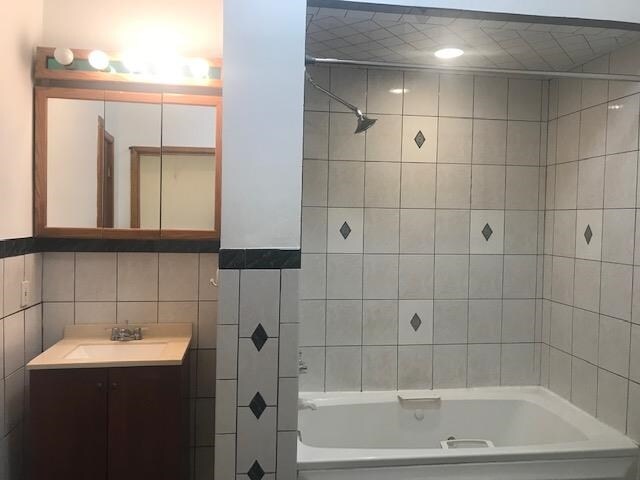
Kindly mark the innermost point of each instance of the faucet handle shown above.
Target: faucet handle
(137, 333)
(115, 332)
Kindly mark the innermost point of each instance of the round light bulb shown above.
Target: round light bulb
(64, 56)
(447, 53)
(98, 60)
(199, 67)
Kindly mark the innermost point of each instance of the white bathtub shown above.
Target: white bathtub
(535, 435)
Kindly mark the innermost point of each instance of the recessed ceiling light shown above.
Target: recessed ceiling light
(398, 91)
(447, 53)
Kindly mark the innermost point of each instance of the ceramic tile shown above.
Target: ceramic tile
(415, 276)
(344, 276)
(314, 183)
(382, 185)
(316, 135)
(346, 184)
(427, 151)
(450, 321)
(414, 366)
(345, 230)
(523, 143)
(380, 87)
(137, 277)
(449, 366)
(343, 368)
(456, 95)
(380, 322)
(612, 400)
(487, 186)
(484, 365)
(344, 322)
(489, 142)
(490, 97)
(259, 301)
(384, 142)
(418, 186)
(379, 368)
(454, 140)
(417, 227)
(421, 95)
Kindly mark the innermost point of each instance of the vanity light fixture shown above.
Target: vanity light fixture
(448, 53)
(98, 60)
(64, 56)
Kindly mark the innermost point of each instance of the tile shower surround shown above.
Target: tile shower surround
(110, 287)
(591, 310)
(422, 239)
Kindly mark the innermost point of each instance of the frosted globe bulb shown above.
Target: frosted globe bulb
(63, 56)
(98, 60)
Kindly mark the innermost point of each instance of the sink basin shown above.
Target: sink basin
(116, 351)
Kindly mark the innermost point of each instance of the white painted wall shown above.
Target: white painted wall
(262, 123)
(615, 10)
(130, 124)
(72, 162)
(20, 31)
(193, 26)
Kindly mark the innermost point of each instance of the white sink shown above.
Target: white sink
(117, 351)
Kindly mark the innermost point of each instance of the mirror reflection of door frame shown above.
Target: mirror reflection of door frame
(44, 93)
(137, 152)
(106, 160)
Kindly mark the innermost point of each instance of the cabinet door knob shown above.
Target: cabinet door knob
(99, 385)
(114, 384)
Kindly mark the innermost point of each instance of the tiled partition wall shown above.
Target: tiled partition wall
(422, 238)
(21, 329)
(257, 384)
(143, 288)
(592, 245)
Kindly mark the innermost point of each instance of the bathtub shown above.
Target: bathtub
(500, 433)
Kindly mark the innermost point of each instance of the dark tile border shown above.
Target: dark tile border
(23, 246)
(457, 13)
(268, 258)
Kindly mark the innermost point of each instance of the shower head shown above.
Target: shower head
(364, 122)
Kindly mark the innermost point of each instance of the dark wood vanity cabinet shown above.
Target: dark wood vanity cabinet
(109, 423)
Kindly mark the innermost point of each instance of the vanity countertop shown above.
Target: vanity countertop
(90, 346)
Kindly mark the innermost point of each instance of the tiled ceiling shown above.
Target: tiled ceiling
(413, 38)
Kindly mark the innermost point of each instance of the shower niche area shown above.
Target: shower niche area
(482, 231)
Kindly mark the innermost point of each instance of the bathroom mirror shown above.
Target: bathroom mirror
(127, 164)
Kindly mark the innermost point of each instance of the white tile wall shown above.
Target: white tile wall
(416, 216)
(21, 331)
(593, 356)
(257, 372)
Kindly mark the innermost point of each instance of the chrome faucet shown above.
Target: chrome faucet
(125, 334)
(302, 367)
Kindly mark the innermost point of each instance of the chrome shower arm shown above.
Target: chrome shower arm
(353, 108)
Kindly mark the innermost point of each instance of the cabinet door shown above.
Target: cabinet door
(68, 410)
(145, 437)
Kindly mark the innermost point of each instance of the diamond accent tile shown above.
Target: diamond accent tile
(588, 234)
(255, 472)
(345, 230)
(487, 232)
(257, 405)
(419, 139)
(259, 337)
(415, 322)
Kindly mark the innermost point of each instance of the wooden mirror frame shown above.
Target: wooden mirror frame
(41, 229)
